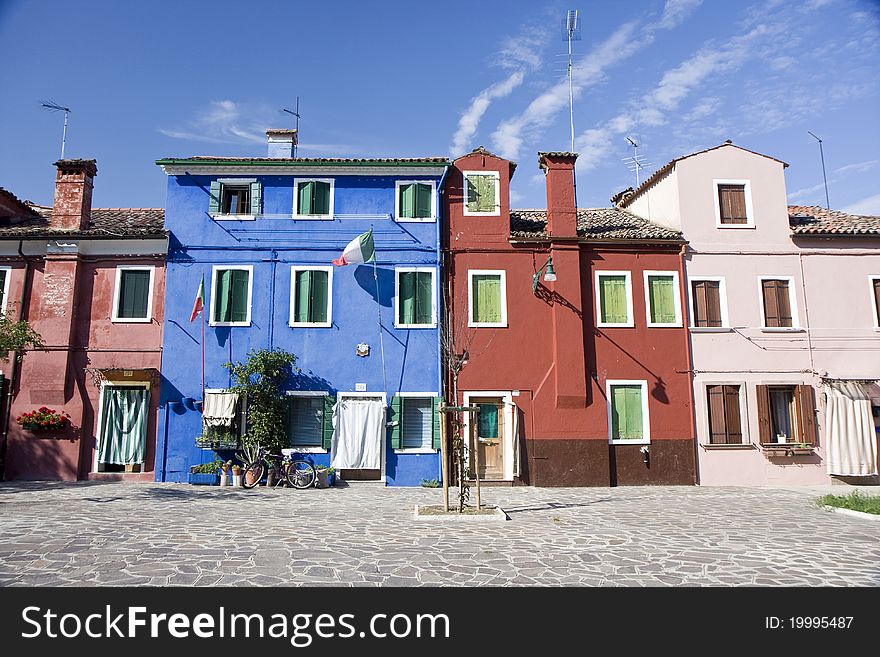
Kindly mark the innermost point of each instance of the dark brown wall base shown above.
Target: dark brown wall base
(590, 462)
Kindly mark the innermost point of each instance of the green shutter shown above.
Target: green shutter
(408, 200)
(397, 418)
(437, 419)
(239, 300)
(318, 304)
(2, 287)
(613, 299)
(214, 197)
(423, 303)
(256, 198)
(321, 198)
(222, 289)
(661, 295)
(406, 303)
(473, 196)
(487, 298)
(303, 295)
(305, 198)
(626, 413)
(487, 194)
(329, 403)
(134, 290)
(423, 201)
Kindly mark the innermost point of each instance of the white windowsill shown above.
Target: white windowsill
(782, 329)
(313, 217)
(311, 324)
(710, 329)
(415, 220)
(723, 447)
(735, 226)
(416, 326)
(304, 450)
(131, 320)
(416, 450)
(627, 325)
(650, 325)
(234, 217)
(229, 323)
(476, 325)
(643, 441)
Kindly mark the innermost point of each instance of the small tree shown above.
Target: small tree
(16, 336)
(260, 380)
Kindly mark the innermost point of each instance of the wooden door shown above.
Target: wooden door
(489, 428)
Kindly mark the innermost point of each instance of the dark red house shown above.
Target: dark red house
(572, 325)
(91, 282)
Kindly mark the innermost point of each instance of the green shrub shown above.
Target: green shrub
(855, 501)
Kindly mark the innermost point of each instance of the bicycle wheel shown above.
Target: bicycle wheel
(252, 475)
(301, 474)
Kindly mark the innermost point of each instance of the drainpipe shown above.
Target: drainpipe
(441, 307)
(274, 262)
(14, 363)
(683, 292)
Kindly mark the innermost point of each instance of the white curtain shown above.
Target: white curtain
(357, 438)
(219, 409)
(852, 439)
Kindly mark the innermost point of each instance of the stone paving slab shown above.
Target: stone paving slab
(124, 534)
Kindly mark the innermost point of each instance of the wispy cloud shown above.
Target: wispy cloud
(520, 55)
(869, 206)
(223, 122)
(676, 11)
(835, 175)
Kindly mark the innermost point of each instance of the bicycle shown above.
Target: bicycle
(296, 473)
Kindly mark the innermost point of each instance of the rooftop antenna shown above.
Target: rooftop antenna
(822, 155)
(636, 162)
(55, 107)
(572, 28)
(295, 113)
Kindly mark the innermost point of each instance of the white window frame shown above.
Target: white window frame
(646, 421)
(871, 279)
(792, 302)
(4, 302)
(214, 270)
(676, 298)
(743, 414)
(397, 272)
(416, 450)
(481, 272)
(234, 182)
(329, 322)
(306, 450)
(750, 214)
(415, 220)
(330, 209)
(497, 211)
(722, 300)
(114, 316)
(630, 323)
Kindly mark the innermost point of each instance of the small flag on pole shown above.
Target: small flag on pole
(360, 249)
(199, 304)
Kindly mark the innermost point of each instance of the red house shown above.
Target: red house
(571, 325)
(91, 282)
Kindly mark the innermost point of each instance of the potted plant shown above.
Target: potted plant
(802, 448)
(42, 419)
(236, 476)
(325, 476)
(206, 474)
(224, 473)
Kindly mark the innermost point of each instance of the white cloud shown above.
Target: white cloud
(675, 11)
(225, 121)
(869, 206)
(834, 176)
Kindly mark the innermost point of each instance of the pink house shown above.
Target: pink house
(783, 319)
(91, 281)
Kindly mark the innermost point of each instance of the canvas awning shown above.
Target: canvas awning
(220, 408)
(849, 428)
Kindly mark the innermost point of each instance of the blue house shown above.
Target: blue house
(262, 234)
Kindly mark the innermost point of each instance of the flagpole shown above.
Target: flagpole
(203, 355)
(379, 313)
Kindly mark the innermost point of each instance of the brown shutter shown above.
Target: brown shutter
(713, 303)
(717, 426)
(806, 409)
(701, 313)
(763, 414)
(783, 304)
(771, 303)
(877, 298)
(732, 415)
(732, 204)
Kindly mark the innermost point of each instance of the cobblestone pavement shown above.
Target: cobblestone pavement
(365, 535)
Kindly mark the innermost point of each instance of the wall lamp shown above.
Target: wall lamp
(549, 273)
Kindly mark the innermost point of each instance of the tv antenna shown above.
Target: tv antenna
(822, 155)
(572, 32)
(55, 107)
(635, 162)
(294, 112)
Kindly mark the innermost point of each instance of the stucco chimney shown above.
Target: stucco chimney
(72, 208)
(281, 142)
(561, 202)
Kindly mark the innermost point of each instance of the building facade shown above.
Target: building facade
(262, 234)
(782, 308)
(581, 377)
(91, 282)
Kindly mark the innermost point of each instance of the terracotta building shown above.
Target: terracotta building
(91, 282)
(570, 325)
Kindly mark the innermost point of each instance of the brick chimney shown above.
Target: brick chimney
(72, 209)
(281, 142)
(561, 202)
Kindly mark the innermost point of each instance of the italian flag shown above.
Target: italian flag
(360, 249)
(199, 304)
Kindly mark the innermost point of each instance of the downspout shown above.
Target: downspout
(274, 262)
(14, 363)
(441, 306)
(690, 354)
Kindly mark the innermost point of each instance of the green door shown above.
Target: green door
(124, 411)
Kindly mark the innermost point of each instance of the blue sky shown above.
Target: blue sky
(154, 79)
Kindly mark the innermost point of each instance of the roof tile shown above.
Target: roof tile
(816, 220)
(594, 223)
